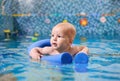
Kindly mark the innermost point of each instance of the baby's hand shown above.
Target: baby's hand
(35, 54)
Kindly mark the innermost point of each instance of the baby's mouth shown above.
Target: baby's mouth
(54, 44)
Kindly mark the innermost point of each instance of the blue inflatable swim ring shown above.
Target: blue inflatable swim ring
(63, 58)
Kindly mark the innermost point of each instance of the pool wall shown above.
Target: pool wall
(39, 16)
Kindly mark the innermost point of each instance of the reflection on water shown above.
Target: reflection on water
(103, 63)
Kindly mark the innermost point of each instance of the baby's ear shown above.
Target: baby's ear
(70, 41)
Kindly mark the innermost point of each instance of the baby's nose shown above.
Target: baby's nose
(55, 38)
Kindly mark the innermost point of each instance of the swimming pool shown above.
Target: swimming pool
(103, 63)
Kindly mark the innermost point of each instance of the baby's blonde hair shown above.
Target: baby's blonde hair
(69, 29)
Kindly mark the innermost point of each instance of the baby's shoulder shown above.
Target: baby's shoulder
(76, 47)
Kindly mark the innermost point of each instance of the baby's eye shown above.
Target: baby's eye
(52, 35)
(59, 36)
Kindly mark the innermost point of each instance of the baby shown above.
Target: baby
(62, 37)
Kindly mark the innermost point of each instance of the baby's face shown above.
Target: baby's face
(59, 39)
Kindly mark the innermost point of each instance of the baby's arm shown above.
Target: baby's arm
(83, 49)
(37, 52)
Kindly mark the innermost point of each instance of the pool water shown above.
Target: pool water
(104, 63)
